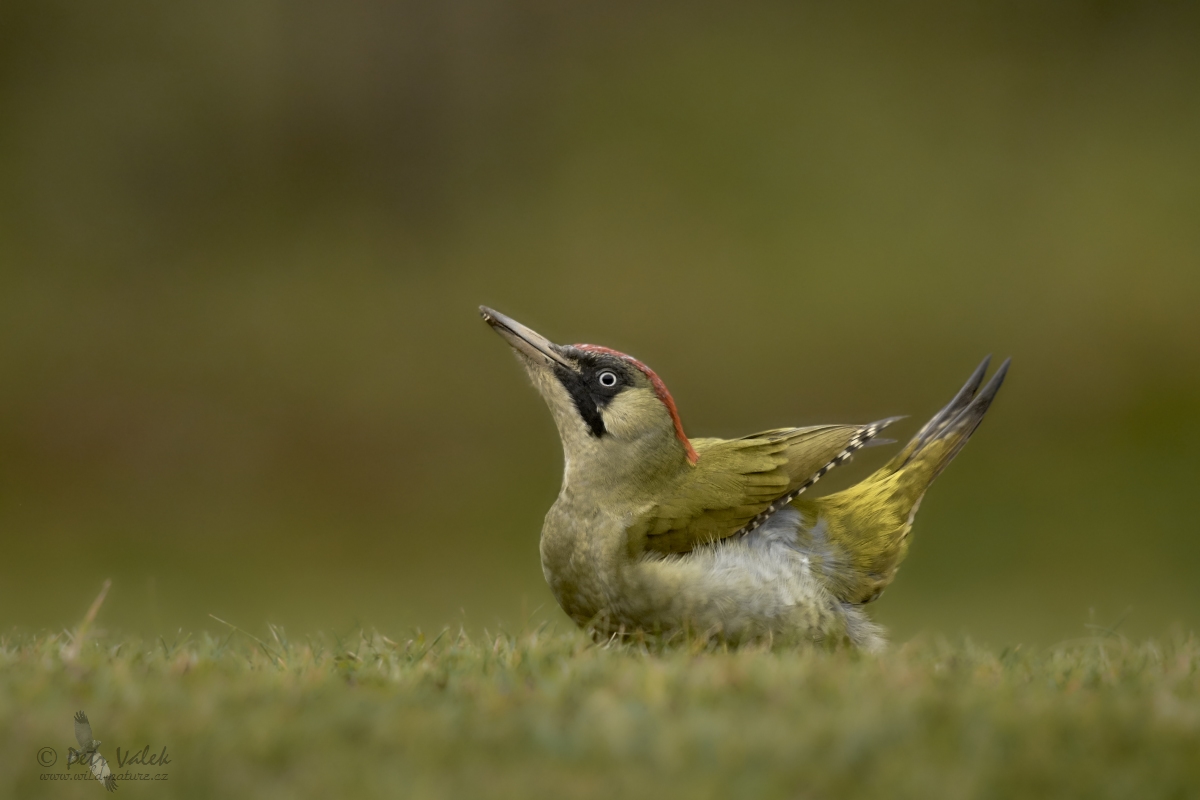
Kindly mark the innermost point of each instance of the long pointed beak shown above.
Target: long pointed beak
(526, 340)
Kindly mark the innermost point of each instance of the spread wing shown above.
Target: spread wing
(83, 730)
(738, 482)
(103, 774)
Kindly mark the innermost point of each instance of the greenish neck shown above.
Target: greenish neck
(611, 469)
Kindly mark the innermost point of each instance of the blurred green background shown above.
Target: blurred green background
(242, 244)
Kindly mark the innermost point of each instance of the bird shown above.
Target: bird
(658, 534)
(89, 753)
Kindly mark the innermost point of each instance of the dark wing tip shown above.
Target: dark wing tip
(871, 430)
(81, 717)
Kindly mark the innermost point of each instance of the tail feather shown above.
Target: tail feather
(859, 536)
(960, 428)
(944, 417)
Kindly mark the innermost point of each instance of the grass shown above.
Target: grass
(553, 714)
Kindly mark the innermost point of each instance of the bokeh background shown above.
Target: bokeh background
(242, 243)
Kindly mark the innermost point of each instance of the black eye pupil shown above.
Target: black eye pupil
(608, 379)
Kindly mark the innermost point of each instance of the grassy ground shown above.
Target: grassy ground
(551, 714)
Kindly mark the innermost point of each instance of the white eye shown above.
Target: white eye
(608, 379)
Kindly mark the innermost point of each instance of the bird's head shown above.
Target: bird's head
(613, 413)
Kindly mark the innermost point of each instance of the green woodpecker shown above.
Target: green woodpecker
(656, 532)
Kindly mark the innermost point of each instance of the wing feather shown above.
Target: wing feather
(83, 730)
(102, 772)
(736, 480)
